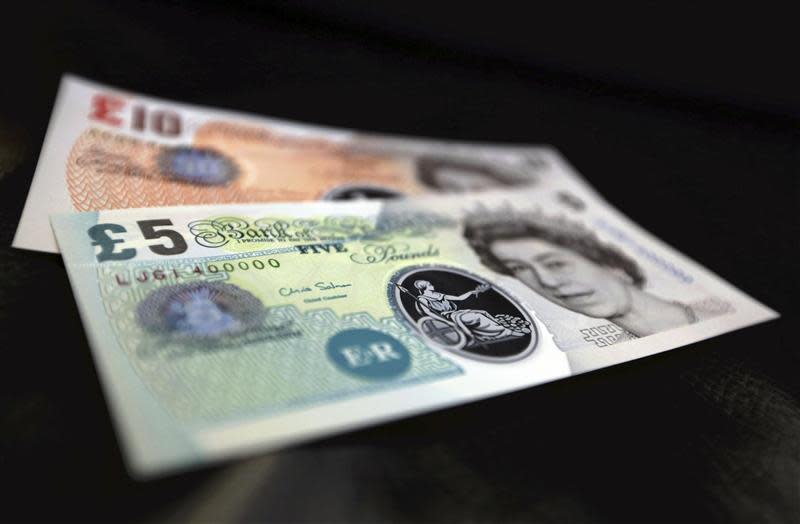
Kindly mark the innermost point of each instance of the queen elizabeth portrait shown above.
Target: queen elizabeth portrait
(567, 264)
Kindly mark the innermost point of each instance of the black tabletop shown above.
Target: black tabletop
(708, 432)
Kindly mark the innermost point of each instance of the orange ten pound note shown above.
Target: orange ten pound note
(110, 149)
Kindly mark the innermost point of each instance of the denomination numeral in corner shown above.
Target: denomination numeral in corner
(112, 110)
(148, 231)
(101, 236)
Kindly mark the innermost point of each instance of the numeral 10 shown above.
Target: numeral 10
(162, 122)
(108, 109)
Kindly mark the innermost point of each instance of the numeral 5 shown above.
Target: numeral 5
(148, 231)
(101, 236)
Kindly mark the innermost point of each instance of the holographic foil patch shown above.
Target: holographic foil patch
(197, 166)
(204, 310)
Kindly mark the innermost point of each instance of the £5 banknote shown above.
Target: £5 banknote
(226, 328)
(108, 148)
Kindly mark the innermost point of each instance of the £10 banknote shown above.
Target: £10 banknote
(112, 149)
(221, 329)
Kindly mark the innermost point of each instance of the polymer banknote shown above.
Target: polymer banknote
(108, 148)
(224, 329)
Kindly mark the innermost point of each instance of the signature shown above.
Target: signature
(317, 286)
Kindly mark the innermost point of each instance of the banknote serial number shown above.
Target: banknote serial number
(144, 276)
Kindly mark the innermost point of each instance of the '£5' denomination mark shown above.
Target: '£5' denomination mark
(101, 236)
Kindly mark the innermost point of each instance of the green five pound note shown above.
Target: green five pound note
(222, 329)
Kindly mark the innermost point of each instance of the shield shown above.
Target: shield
(442, 333)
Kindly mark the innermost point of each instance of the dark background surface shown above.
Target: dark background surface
(684, 119)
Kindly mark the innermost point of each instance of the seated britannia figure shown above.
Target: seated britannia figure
(482, 326)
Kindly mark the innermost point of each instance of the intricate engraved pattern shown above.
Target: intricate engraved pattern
(285, 366)
(109, 171)
(106, 171)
